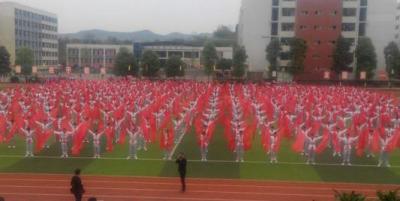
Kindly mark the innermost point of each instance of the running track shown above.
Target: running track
(44, 187)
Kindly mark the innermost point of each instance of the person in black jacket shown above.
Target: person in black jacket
(181, 161)
(77, 186)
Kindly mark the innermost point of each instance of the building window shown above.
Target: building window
(162, 54)
(349, 12)
(334, 13)
(317, 42)
(275, 2)
(351, 40)
(362, 29)
(333, 42)
(287, 26)
(285, 41)
(364, 2)
(275, 14)
(348, 26)
(285, 56)
(317, 12)
(303, 27)
(288, 12)
(334, 27)
(274, 29)
(304, 12)
(363, 14)
(317, 27)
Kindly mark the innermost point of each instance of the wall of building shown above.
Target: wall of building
(93, 55)
(255, 32)
(191, 55)
(7, 30)
(23, 26)
(381, 26)
(319, 24)
(376, 19)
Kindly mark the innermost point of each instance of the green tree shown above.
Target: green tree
(24, 58)
(150, 63)
(273, 52)
(125, 63)
(392, 58)
(366, 57)
(297, 53)
(4, 61)
(224, 32)
(224, 64)
(175, 67)
(342, 55)
(209, 57)
(388, 196)
(239, 62)
(353, 196)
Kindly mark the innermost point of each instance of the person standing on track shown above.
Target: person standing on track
(181, 161)
(77, 186)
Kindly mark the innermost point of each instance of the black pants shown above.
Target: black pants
(78, 197)
(183, 182)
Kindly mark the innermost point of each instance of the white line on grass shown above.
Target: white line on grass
(176, 146)
(199, 161)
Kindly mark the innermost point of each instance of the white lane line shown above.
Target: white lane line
(161, 190)
(184, 197)
(199, 161)
(190, 184)
(282, 182)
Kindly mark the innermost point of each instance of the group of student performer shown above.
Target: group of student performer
(342, 120)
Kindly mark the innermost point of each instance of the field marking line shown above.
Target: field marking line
(199, 161)
(176, 146)
(194, 179)
(184, 197)
(190, 184)
(163, 190)
(195, 191)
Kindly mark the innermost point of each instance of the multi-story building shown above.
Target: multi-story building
(319, 23)
(94, 56)
(23, 26)
(190, 54)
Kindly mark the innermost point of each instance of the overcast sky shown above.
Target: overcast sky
(161, 16)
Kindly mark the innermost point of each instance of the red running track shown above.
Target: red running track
(45, 187)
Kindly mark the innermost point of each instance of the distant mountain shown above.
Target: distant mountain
(137, 36)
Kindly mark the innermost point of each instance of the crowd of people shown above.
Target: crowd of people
(316, 119)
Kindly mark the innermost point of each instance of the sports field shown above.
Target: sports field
(221, 163)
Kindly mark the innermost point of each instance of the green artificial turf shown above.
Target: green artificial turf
(222, 163)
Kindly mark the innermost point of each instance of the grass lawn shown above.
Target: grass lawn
(221, 163)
